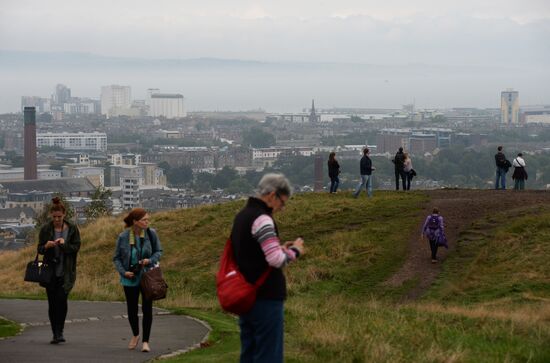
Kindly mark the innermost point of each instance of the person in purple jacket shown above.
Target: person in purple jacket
(434, 230)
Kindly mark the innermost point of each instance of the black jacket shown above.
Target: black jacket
(365, 165)
(333, 169)
(249, 254)
(399, 160)
(500, 160)
(69, 248)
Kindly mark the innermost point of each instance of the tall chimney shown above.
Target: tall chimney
(318, 171)
(30, 143)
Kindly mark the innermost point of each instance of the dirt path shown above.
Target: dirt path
(459, 208)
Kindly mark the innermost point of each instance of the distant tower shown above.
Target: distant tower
(509, 107)
(318, 171)
(312, 115)
(30, 172)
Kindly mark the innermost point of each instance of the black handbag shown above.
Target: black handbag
(38, 271)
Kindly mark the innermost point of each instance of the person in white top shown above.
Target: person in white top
(408, 167)
(520, 175)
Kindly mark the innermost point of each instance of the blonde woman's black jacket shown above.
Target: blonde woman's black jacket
(69, 249)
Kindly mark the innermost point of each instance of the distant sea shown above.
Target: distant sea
(237, 85)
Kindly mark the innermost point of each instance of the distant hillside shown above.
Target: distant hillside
(491, 298)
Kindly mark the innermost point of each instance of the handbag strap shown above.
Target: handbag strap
(260, 281)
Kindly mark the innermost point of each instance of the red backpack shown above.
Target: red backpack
(236, 295)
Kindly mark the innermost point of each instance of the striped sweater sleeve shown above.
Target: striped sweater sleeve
(263, 231)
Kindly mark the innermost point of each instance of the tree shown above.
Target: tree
(100, 205)
(224, 177)
(180, 175)
(256, 137)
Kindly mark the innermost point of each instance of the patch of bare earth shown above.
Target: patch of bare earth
(459, 208)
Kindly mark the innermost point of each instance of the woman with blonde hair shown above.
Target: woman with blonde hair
(137, 249)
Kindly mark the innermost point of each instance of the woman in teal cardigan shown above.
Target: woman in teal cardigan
(137, 249)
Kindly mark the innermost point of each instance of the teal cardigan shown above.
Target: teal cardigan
(151, 250)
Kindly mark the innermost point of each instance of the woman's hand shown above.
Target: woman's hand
(129, 275)
(60, 241)
(145, 261)
(50, 244)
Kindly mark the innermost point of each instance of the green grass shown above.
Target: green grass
(8, 328)
(507, 265)
(491, 304)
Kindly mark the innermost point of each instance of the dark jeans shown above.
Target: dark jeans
(433, 247)
(500, 177)
(398, 174)
(132, 299)
(409, 178)
(334, 182)
(262, 333)
(57, 305)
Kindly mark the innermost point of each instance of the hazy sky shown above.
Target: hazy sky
(509, 36)
(389, 31)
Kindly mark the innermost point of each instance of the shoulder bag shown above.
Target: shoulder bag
(38, 271)
(235, 294)
(152, 282)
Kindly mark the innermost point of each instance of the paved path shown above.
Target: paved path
(95, 332)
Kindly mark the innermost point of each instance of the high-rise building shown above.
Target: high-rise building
(169, 105)
(62, 94)
(115, 100)
(41, 104)
(509, 107)
(30, 167)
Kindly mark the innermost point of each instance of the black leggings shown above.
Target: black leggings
(132, 298)
(57, 305)
(433, 247)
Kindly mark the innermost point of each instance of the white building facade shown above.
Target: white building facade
(96, 141)
(115, 100)
(169, 105)
(509, 107)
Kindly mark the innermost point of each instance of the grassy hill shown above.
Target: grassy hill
(491, 302)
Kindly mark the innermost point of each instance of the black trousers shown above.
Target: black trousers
(433, 247)
(132, 299)
(400, 174)
(57, 305)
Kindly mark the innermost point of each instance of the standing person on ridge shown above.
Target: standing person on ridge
(366, 169)
(398, 162)
(408, 169)
(502, 166)
(434, 230)
(333, 172)
(256, 245)
(137, 249)
(59, 242)
(520, 174)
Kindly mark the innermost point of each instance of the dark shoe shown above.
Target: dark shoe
(54, 340)
(60, 338)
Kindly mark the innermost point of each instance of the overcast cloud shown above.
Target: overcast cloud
(390, 31)
(502, 34)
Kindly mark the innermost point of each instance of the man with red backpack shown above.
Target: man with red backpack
(259, 255)
(434, 230)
